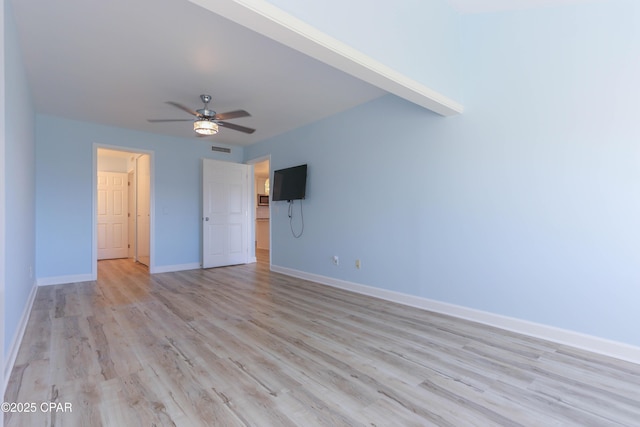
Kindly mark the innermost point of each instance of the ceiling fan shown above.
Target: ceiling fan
(207, 121)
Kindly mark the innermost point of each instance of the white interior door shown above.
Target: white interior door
(225, 215)
(143, 209)
(112, 215)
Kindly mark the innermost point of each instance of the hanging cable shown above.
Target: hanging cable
(291, 219)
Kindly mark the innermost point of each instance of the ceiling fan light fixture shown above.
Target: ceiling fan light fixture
(205, 127)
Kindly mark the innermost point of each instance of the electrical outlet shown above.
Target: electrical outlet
(358, 264)
(335, 260)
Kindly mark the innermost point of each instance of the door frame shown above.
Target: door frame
(252, 190)
(94, 205)
(137, 225)
(132, 220)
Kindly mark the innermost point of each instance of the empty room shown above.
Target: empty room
(280, 213)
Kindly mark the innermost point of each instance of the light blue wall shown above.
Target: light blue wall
(527, 205)
(64, 162)
(553, 143)
(20, 183)
(362, 201)
(418, 38)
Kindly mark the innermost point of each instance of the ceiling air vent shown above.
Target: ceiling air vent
(221, 149)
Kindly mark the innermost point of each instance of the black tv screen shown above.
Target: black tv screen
(289, 183)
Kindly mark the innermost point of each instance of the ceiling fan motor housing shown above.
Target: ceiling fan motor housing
(206, 113)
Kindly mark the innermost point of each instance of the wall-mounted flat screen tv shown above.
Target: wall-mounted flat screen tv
(289, 183)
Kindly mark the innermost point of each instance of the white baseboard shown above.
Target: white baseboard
(579, 340)
(17, 339)
(176, 267)
(61, 280)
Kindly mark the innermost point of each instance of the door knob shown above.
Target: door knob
(206, 218)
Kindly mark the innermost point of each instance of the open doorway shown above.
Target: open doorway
(123, 206)
(262, 222)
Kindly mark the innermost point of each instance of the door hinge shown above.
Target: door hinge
(128, 246)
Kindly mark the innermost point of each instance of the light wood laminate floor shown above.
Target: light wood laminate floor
(241, 346)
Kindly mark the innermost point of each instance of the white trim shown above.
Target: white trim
(63, 280)
(274, 23)
(579, 340)
(251, 213)
(176, 267)
(252, 162)
(17, 339)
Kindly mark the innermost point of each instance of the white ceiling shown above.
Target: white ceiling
(117, 62)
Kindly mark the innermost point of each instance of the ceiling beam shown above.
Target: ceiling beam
(272, 22)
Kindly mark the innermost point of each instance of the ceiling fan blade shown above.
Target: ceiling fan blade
(236, 127)
(168, 120)
(183, 108)
(231, 115)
